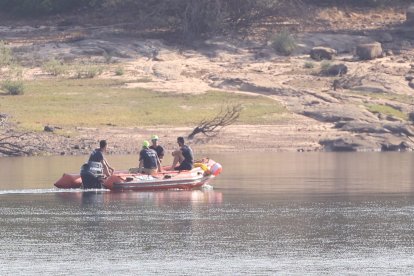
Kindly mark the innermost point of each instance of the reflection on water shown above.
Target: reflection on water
(155, 198)
(279, 213)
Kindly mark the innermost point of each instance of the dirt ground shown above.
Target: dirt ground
(246, 65)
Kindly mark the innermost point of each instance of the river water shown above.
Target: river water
(268, 213)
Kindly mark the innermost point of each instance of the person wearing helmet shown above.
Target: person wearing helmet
(149, 163)
(183, 156)
(156, 147)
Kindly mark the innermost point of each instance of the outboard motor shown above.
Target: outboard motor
(92, 175)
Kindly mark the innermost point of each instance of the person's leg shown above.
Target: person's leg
(178, 158)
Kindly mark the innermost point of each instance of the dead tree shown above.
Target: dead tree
(212, 127)
(10, 148)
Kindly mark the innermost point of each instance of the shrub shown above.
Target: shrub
(284, 43)
(325, 65)
(87, 71)
(108, 57)
(309, 65)
(6, 57)
(119, 71)
(55, 67)
(13, 87)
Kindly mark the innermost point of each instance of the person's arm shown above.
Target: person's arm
(106, 170)
(141, 163)
(159, 165)
(162, 153)
(109, 167)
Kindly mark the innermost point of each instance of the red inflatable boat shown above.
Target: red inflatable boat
(203, 172)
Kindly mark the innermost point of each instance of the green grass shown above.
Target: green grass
(95, 103)
(387, 110)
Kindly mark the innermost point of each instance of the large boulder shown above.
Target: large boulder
(320, 53)
(410, 15)
(369, 51)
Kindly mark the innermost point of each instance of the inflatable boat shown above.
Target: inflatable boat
(202, 173)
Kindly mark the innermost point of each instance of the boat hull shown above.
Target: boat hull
(123, 181)
(184, 181)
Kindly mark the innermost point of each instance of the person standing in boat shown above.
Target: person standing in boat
(98, 156)
(149, 163)
(155, 146)
(93, 172)
(183, 156)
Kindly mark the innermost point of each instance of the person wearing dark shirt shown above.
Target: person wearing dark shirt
(96, 168)
(149, 163)
(156, 147)
(98, 156)
(183, 156)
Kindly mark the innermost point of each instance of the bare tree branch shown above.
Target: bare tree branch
(212, 127)
(9, 147)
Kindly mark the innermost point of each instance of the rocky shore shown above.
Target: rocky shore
(348, 90)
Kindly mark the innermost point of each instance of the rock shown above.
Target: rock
(411, 84)
(48, 129)
(338, 145)
(320, 53)
(409, 77)
(327, 116)
(411, 116)
(389, 52)
(363, 127)
(335, 70)
(399, 129)
(410, 15)
(403, 146)
(369, 51)
(370, 89)
(385, 37)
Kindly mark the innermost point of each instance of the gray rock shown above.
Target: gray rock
(363, 127)
(369, 51)
(410, 15)
(320, 53)
(411, 84)
(409, 77)
(403, 146)
(48, 129)
(335, 70)
(411, 116)
(385, 37)
(338, 145)
(400, 129)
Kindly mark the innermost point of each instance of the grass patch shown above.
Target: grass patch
(387, 110)
(94, 103)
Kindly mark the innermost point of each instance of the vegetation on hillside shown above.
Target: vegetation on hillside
(188, 17)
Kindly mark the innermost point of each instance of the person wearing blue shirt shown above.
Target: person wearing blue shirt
(149, 163)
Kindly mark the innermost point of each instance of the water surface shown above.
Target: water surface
(268, 213)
